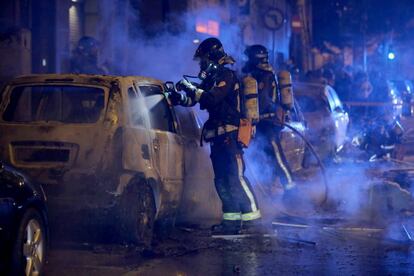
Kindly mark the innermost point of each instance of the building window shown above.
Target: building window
(75, 24)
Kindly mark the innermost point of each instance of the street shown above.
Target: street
(336, 240)
(332, 254)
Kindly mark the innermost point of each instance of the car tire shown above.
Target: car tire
(29, 250)
(137, 214)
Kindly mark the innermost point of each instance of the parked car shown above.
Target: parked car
(23, 224)
(325, 115)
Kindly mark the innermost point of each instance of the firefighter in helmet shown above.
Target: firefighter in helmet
(219, 94)
(85, 57)
(275, 100)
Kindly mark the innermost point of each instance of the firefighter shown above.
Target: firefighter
(85, 57)
(219, 94)
(381, 137)
(273, 109)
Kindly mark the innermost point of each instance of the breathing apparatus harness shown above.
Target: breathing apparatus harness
(258, 55)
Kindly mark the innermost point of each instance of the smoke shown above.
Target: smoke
(165, 55)
(259, 165)
(168, 55)
(356, 191)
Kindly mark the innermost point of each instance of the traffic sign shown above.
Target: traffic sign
(273, 19)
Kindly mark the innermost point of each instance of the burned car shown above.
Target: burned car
(325, 115)
(108, 149)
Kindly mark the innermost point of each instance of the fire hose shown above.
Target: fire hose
(312, 149)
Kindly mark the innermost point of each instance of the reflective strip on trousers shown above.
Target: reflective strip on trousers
(280, 161)
(251, 216)
(244, 184)
(231, 216)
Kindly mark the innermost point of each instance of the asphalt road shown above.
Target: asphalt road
(302, 252)
(323, 247)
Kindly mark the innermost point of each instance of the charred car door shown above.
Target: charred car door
(137, 140)
(200, 200)
(167, 145)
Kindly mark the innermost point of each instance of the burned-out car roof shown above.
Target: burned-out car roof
(104, 80)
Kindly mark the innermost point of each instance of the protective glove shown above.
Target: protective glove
(175, 98)
(190, 89)
(186, 86)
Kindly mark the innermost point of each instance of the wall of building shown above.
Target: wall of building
(247, 18)
(43, 36)
(15, 39)
(55, 26)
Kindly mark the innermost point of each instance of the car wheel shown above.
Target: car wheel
(137, 214)
(29, 250)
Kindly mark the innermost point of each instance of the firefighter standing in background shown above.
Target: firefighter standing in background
(85, 58)
(219, 94)
(275, 100)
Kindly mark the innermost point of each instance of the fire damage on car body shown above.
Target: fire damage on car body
(89, 140)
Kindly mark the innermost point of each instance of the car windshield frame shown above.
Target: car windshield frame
(99, 113)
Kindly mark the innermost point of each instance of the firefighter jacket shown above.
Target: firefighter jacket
(222, 99)
(220, 96)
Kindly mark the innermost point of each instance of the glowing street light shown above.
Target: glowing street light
(391, 55)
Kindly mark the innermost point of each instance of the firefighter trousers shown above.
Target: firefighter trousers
(271, 134)
(237, 196)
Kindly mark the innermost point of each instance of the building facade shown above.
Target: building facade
(45, 32)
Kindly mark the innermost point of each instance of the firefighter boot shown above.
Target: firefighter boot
(227, 227)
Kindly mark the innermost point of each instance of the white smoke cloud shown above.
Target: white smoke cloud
(165, 55)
